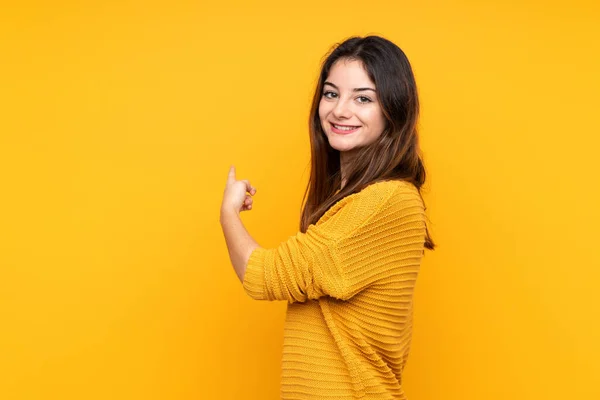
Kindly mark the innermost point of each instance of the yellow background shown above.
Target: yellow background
(119, 121)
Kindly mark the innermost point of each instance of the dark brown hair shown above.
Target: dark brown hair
(393, 156)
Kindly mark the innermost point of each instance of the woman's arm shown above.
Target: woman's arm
(237, 198)
(373, 236)
(239, 242)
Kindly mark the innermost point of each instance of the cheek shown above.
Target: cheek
(322, 110)
(323, 117)
(374, 118)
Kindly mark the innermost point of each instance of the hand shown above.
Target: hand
(235, 197)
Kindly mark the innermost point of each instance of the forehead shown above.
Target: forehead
(349, 74)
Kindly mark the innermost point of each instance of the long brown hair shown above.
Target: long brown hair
(393, 156)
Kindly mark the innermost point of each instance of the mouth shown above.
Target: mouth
(344, 129)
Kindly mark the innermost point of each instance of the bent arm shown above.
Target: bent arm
(303, 267)
(239, 242)
(375, 236)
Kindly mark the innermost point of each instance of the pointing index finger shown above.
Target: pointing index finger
(231, 174)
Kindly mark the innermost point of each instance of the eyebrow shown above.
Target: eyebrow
(354, 90)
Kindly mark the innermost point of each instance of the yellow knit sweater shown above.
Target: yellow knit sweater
(349, 283)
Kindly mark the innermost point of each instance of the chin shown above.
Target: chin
(337, 141)
(341, 147)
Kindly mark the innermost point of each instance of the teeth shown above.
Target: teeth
(345, 128)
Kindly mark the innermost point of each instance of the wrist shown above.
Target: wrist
(227, 212)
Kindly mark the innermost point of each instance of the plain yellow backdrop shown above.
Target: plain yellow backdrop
(119, 121)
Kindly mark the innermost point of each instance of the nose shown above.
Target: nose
(342, 110)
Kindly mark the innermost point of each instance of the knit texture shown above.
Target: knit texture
(349, 283)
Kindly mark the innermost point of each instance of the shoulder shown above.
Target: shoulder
(404, 201)
(382, 199)
(388, 188)
(374, 202)
(376, 195)
(399, 192)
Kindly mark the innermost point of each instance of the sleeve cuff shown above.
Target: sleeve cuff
(254, 278)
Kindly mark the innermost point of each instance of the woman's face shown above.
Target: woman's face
(350, 113)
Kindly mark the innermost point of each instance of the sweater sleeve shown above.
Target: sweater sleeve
(359, 241)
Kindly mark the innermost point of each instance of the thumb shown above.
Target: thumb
(231, 176)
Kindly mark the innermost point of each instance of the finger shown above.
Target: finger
(231, 175)
(249, 187)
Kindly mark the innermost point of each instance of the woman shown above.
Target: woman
(349, 274)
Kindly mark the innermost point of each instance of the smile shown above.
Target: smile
(344, 129)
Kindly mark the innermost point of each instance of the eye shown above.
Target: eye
(364, 99)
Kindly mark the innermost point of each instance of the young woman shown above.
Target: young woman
(349, 274)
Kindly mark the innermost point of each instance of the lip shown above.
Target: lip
(340, 132)
(341, 124)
